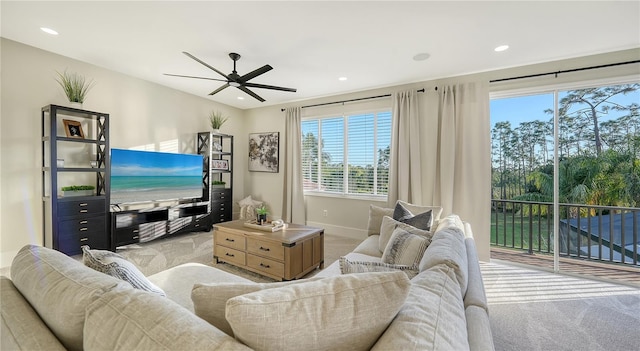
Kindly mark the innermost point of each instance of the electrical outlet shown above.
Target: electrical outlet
(325, 213)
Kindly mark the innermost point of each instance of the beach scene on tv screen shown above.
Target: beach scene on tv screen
(140, 176)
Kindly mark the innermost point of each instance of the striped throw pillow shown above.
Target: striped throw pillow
(405, 248)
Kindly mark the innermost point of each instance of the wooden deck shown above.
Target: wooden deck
(616, 273)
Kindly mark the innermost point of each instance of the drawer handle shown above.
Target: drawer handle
(84, 229)
(84, 222)
(230, 255)
(265, 248)
(83, 211)
(231, 240)
(84, 239)
(136, 230)
(135, 237)
(264, 265)
(83, 204)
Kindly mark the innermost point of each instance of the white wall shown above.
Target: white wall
(140, 113)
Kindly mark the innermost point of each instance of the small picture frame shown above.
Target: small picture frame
(73, 129)
(222, 165)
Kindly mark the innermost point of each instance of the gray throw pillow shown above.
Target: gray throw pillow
(421, 220)
(347, 267)
(405, 248)
(115, 265)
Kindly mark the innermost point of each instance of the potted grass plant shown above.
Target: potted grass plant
(261, 213)
(217, 120)
(78, 190)
(218, 184)
(75, 86)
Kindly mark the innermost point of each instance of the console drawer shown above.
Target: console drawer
(230, 255)
(230, 240)
(266, 265)
(264, 248)
(88, 225)
(81, 207)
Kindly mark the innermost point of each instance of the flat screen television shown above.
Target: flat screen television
(144, 176)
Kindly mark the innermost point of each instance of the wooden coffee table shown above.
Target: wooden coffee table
(287, 254)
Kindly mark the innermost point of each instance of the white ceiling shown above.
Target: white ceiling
(311, 44)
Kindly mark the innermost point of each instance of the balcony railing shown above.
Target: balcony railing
(596, 233)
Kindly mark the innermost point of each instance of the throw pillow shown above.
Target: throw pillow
(375, 218)
(405, 248)
(422, 220)
(416, 209)
(389, 225)
(345, 312)
(210, 300)
(117, 266)
(347, 267)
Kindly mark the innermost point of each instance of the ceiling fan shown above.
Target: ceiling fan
(236, 80)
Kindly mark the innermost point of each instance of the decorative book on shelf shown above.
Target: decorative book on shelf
(267, 227)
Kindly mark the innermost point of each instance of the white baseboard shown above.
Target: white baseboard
(347, 232)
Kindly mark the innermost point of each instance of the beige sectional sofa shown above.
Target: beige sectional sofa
(53, 302)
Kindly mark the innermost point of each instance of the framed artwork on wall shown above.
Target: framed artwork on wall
(220, 165)
(73, 129)
(264, 149)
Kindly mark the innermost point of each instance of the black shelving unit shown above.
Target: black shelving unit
(72, 221)
(217, 150)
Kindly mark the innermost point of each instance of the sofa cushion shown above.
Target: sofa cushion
(347, 266)
(419, 220)
(447, 247)
(375, 218)
(416, 209)
(115, 265)
(475, 294)
(405, 248)
(210, 300)
(478, 329)
(432, 317)
(369, 246)
(389, 225)
(177, 282)
(59, 289)
(139, 320)
(20, 327)
(347, 312)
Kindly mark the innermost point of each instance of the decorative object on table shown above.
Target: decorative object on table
(75, 86)
(73, 129)
(261, 214)
(248, 207)
(218, 184)
(216, 146)
(217, 120)
(264, 151)
(273, 226)
(78, 190)
(220, 165)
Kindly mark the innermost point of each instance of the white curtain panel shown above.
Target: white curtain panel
(405, 182)
(463, 155)
(293, 209)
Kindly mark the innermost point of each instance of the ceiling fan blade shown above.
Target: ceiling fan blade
(219, 89)
(262, 70)
(205, 64)
(262, 86)
(251, 93)
(179, 75)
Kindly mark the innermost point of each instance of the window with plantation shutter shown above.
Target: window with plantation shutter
(347, 155)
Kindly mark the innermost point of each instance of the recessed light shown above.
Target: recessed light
(48, 30)
(421, 56)
(501, 48)
(342, 79)
(240, 98)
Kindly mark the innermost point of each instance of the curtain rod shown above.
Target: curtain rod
(565, 71)
(352, 100)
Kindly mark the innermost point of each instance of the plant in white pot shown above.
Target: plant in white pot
(217, 120)
(218, 184)
(75, 86)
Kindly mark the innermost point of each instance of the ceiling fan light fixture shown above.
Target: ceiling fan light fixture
(234, 84)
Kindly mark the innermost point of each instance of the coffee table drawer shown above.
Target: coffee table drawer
(266, 265)
(230, 255)
(231, 240)
(264, 248)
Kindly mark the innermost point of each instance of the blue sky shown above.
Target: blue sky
(159, 164)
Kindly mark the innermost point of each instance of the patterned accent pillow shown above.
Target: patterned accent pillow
(422, 220)
(115, 265)
(405, 248)
(389, 225)
(347, 267)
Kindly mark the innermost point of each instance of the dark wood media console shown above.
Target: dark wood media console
(142, 225)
